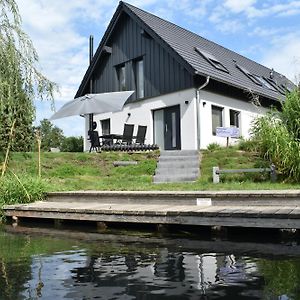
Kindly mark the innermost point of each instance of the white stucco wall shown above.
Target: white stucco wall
(86, 142)
(141, 113)
(248, 112)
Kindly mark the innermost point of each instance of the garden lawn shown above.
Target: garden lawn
(95, 171)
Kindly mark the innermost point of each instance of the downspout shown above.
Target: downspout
(198, 109)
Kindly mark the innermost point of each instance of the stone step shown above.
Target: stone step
(179, 158)
(174, 170)
(178, 164)
(179, 153)
(174, 178)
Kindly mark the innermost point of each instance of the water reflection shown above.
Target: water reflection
(34, 267)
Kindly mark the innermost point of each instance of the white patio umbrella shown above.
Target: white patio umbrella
(93, 104)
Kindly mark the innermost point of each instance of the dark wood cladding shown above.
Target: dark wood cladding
(128, 41)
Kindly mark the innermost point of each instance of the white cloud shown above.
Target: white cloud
(250, 9)
(284, 56)
(230, 26)
(266, 32)
(60, 31)
(238, 6)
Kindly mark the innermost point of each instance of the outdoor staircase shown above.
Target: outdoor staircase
(177, 166)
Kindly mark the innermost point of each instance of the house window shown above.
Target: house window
(212, 60)
(139, 78)
(121, 77)
(217, 118)
(234, 118)
(105, 126)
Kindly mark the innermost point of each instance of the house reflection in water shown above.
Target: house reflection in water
(79, 275)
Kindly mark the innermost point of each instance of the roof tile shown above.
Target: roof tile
(184, 42)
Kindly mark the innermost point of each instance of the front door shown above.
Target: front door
(166, 127)
(172, 128)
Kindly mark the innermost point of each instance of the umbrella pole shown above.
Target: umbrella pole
(91, 50)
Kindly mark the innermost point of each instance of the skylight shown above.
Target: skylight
(286, 88)
(249, 75)
(212, 60)
(265, 83)
(280, 88)
(262, 81)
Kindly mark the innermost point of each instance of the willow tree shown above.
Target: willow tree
(20, 80)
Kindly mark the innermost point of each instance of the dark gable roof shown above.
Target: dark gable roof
(187, 47)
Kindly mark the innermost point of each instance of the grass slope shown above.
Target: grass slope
(95, 171)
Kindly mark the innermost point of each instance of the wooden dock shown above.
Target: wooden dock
(254, 211)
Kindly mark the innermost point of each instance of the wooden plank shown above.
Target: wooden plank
(295, 213)
(240, 216)
(166, 219)
(269, 212)
(284, 212)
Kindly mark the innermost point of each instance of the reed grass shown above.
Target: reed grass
(277, 136)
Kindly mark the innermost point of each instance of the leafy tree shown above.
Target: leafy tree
(20, 80)
(51, 136)
(72, 144)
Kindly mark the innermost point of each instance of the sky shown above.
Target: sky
(266, 31)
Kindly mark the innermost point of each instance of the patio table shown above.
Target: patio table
(114, 137)
(111, 138)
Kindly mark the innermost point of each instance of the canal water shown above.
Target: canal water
(67, 264)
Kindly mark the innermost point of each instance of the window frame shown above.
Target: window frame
(103, 130)
(280, 88)
(236, 118)
(139, 76)
(251, 76)
(212, 60)
(265, 83)
(221, 110)
(261, 80)
(121, 69)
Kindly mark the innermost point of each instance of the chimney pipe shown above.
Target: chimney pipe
(91, 48)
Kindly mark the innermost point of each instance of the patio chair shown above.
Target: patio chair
(94, 139)
(127, 134)
(141, 134)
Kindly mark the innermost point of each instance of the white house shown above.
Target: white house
(185, 86)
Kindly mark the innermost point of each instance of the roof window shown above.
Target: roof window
(279, 87)
(249, 75)
(261, 81)
(265, 83)
(286, 87)
(212, 60)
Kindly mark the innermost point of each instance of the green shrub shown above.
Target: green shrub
(214, 147)
(24, 190)
(72, 144)
(247, 145)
